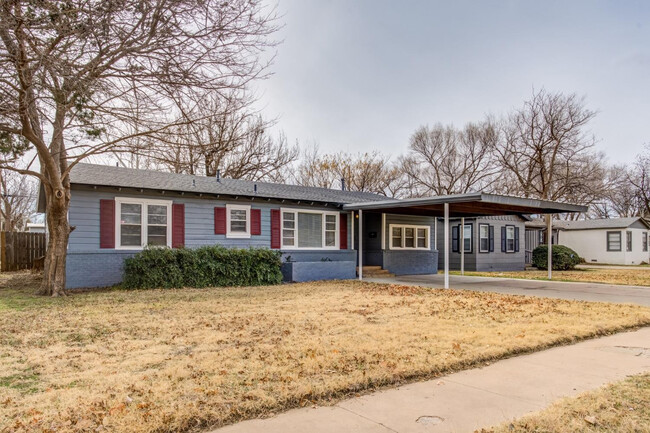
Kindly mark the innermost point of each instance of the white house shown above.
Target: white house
(618, 241)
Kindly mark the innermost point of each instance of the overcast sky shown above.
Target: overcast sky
(363, 75)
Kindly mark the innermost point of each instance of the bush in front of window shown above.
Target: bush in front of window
(564, 258)
(211, 266)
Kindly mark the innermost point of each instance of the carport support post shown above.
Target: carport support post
(549, 243)
(360, 245)
(462, 246)
(446, 245)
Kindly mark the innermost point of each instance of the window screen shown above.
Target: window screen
(310, 230)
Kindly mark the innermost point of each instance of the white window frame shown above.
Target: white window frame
(480, 238)
(295, 212)
(238, 235)
(144, 203)
(514, 238)
(415, 235)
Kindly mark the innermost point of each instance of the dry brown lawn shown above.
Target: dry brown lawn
(622, 407)
(629, 277)
(182, 360)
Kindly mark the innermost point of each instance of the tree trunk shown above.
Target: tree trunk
(57, 246)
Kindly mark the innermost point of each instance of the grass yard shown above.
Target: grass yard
(630, 277)
(622, 407)
(182, 360)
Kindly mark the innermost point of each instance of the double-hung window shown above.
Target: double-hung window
(238, 221)
(142, 222)
(467, 238)
(644, 236)
(510, 239)
(409, 237)
(484, 238)
(613, 241)
(309, 229)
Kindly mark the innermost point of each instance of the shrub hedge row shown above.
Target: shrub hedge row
(564, 258)
(202, 267)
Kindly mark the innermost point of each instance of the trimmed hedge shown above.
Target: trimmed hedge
(564, 258)
(210, 266)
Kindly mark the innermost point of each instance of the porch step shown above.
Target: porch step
(375, 272)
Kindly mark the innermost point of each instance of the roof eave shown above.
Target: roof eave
(541, 206)
(216, 194)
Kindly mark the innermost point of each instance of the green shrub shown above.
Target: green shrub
(202, 267)
(564, 258)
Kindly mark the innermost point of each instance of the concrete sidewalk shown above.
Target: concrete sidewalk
(477, 398)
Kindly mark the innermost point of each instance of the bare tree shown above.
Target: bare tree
(444, 160)
(639, 178)
(18, 200)
(82, 77)
(620, 198)
(369, 172)
(547, 151)
(228, 137)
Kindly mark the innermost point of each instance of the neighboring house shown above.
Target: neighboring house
(35, 227)
(618, 241)
(491, 243)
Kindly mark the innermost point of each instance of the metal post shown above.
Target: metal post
(353, 231)
(549, 243)
(383, 231)
(462, 246)
(360, 245)
(446, 243)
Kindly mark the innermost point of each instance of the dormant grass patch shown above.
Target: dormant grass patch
(183, 360)
(622, 407)
(628, 277)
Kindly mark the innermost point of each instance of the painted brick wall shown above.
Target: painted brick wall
(405, 262)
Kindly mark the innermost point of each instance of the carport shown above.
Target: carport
(463, 206)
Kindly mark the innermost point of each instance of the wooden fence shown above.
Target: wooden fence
(21, 250)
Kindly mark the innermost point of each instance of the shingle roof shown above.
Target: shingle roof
(105, 175)
(593, 224)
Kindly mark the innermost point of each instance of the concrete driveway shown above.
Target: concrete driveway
(549, 289)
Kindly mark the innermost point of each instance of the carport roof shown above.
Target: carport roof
(467, 205)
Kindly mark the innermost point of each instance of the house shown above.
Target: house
(619, 241)
(321, 233)
(35, 228)
(491, 243)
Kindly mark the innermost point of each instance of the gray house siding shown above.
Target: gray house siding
(89, 266)
(491, 261)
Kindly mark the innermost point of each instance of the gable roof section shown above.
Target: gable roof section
(593, 224)
(601, 223)
(109, 176)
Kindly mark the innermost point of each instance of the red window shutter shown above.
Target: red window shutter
(219, 220)
(178, 225)
(106, 223)
(343, 231)
(275, 229)
(256, 222)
